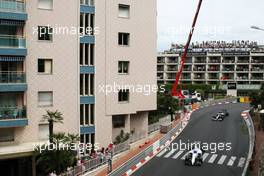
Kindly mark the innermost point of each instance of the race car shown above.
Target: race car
(220, 115)
(194, 157)
(223, 112)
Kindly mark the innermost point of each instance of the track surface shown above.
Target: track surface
(201, 128)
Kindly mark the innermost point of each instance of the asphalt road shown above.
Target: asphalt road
(202, 128)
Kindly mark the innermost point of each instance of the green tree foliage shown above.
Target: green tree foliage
(52, 117)
(56, 159)
(257, 97)
(166, 105)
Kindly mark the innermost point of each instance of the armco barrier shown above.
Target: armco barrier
(250, 125)
(148, 152)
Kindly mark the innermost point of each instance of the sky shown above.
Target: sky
(218, 20)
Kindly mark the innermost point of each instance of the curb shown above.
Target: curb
(152, 155)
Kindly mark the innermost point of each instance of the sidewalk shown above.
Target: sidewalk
(134, 151)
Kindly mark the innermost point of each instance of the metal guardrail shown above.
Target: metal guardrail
(211, 102)
(156, 126)
(136, 159)
(94, 163)
(251, 132)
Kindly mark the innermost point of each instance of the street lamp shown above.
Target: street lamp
(257, 28)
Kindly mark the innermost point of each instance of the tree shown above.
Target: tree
(257, 97)
(166, 105)
(52, 117)
(57, 158)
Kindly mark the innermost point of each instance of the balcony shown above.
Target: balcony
(12, 82)
(12, 45)
(13, 117)
(13, 10)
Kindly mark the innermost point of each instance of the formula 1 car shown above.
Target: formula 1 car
(194, 157)
(220, 115)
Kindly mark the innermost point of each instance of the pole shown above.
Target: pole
(175, 91)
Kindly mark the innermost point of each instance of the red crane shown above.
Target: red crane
(175, 92)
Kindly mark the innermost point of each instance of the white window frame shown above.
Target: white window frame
(123, 7)
(45, 104)
(122, 67)
(51, 66)
(45, 8)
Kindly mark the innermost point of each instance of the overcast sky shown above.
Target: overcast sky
(219, 20)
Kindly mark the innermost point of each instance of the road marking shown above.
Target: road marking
(177, 154)
(241, 162)
(231, 161)
(212, 159)
(222, 159)
(205, 155)
(161, 153)
(170, 153)
(183, 157)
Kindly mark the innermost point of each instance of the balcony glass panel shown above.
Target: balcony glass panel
(12, 42)
(12, 6)
(10, 113)
(12, 77)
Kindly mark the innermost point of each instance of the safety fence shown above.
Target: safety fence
(156, 126)
(94, 163)
(148, 151)
(250, 125)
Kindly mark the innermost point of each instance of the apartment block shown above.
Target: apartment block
(214, 67)
(43, 67)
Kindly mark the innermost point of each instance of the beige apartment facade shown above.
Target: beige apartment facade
(45, 65)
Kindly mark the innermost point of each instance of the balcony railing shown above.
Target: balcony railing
(172, 69)
(10, 113)
(12, 6)
(12, 77)
(11, 41)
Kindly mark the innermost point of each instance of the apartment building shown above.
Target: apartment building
(45, 65)
(217, 66)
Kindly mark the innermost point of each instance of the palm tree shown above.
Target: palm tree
(52, 117)
(72, 138)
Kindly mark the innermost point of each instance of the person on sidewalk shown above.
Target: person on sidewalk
(109, 160)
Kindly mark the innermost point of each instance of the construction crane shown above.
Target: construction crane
(176, 91)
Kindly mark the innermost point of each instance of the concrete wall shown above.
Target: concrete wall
(63, 50)
(142, 49)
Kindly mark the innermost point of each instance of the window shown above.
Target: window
(45, 98)
(87, 24)
(123, 11)
(45, 33)
(87, 2)
(123, 95)
(123, 67)
(45, 4)
(87, 114)
(86, 84)
(43, 131)
(119, 121)
(7, 135)
(89, 141)
(123, 39)
(87, 54)
(45, 66)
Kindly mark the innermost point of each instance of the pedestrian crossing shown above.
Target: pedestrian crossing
(211, 158)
